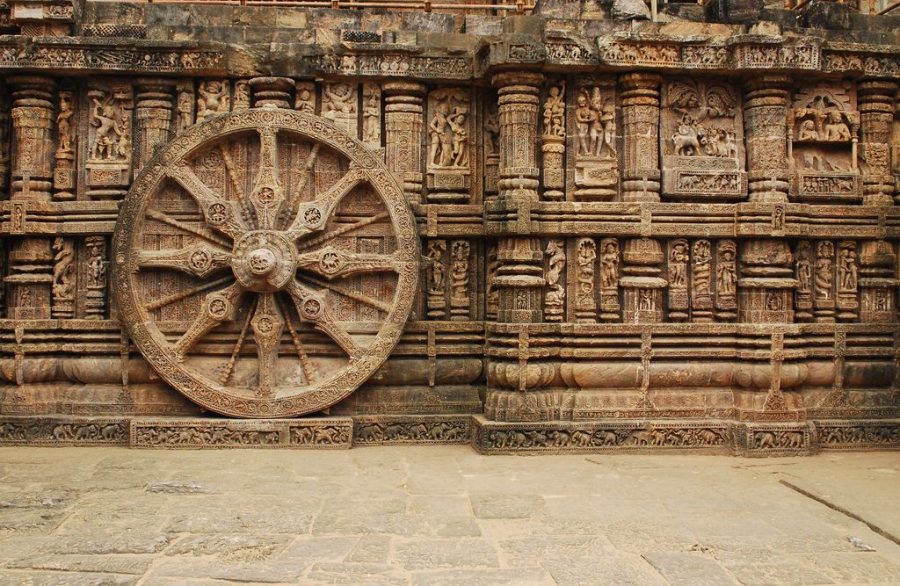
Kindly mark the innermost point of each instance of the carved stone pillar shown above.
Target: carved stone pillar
(642, 282)
(30, 269)
(271, 91)
(519, 280)
(520, 272)
(640, 116)
(404, 123)
(877, 281)
(4, 139)
(767, 282)
(876, 109)
(153, 114)
(765, 129)
(518, 106)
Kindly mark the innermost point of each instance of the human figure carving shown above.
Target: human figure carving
(64, 124)
(212, 99)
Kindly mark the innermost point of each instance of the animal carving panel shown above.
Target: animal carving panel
(702, 138)
(265, 263)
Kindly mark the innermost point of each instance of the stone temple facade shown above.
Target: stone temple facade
(576, 226)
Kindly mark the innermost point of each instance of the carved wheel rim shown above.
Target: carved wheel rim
(244, 232)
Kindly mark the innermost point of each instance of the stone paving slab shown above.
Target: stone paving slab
(436, 515)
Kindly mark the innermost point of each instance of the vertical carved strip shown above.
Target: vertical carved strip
(679, 257)
(555, 294)
(242, 94)
(95, 271)
(585, 281)
(184, 106)
(63, 279)
(305, 97)
(4, 140)
(64, 173)
(153, 114)
(640, 113)
(876, 107)
(765, 289)
(726, 280)
(765, 129)
(371, 115)
(847, 281)
(491, 147)
(701, 282)
(30, 267)
(436, 271)
(492, 295)
(642, 282)
(803, 270)
(610, 309)
(519, 280)
(449, 146)
(518, 109)
(460, 280)
(404, 125)
(823, 282)
(877, 282)
(553, 142)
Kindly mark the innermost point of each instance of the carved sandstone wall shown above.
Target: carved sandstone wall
(544, 232)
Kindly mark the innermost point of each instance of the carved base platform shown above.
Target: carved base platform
(724, 436)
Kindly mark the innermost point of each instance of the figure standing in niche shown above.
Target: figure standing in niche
(824, 273)
(609, 266)
(678, 264)
(185, 109)
(435, 254)
(64, 124)
(371, 119)
(108, 133)
(726, 279)
(584, 120)
(338, 100)
(848, 269)
(439, 154)
(835, 128)
(459, 156)
(554, 112)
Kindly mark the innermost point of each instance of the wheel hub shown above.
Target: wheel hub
(264, 261)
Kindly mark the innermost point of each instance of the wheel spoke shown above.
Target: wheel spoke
(311, 308)
(198, 260)
(356, 296)
(218, 212)
(309, 370)
(334, 263)
(267, 327)
(267, 195)
(312, 216)
(163, 301)
(323, 238)
(217, 307)
(290, 202)
(229, 366)
(196, 230)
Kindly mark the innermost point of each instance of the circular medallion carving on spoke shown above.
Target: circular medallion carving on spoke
(274, 282)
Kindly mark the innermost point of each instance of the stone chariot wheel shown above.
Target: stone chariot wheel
(265, 263)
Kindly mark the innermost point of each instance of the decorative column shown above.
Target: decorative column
(767, 282)
(518, 106)
(765, 128)
(271, 91)
(640, 115)
(877, 281)
(641, 281)
(30, 269)
(520, 272)
(404, 123)
(153, 114)
(876, 112)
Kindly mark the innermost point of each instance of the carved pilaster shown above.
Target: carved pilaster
(876, 109)
(460, 280)
(371, 115)
(585, 301)
(823, 282)
(610, 310)
(847, 285)
(267, 91)
(404, 124)
(877, 281)
(765, 129)
(184, 104)
(767, 282)
(701, 281)
(30, 268)
(555, 294)
(66, 146)
(642, 282)
(518, 110)
(436, 279)
(553, 142)
(726, 280)
(63, 279)
(640, 115)
(153, 117)
(95, 271)
(803, 271)
(519, 280)
(4, 140)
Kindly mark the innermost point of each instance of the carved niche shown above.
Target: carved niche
(269, 268)
(212, 98)
(110, 139)
(340, 106)
(823, 129)
(449, 146)
(702, 141)
(594, 140)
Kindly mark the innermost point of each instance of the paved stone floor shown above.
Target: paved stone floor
(443, 515)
